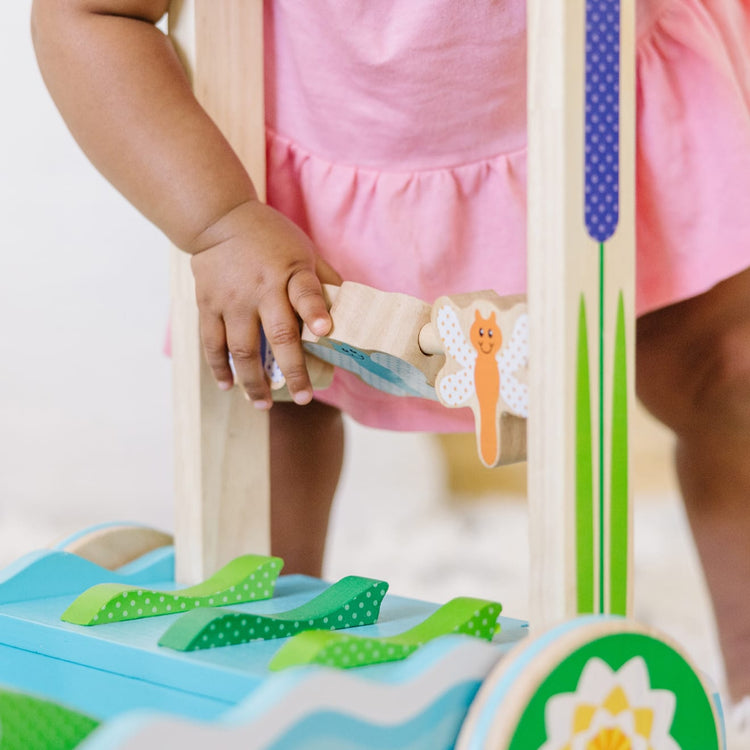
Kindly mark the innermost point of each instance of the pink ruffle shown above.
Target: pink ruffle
(693, 161)
(462, 227)
(409, 232)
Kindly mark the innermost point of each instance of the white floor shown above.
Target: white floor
(85, 412)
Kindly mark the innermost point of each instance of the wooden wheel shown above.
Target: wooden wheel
(115, 545)
(600, 683)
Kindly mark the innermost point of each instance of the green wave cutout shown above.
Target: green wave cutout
(244, 579)
(30, 723)
(619, 490)
(348, 603)
(475, 617)
(584, 464)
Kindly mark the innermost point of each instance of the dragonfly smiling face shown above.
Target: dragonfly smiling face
(485, 334)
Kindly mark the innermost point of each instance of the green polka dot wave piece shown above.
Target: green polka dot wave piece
(30, 723)
(350, 602)
(246, 578)
(475, 617)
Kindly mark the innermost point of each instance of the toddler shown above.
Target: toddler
(396, 141)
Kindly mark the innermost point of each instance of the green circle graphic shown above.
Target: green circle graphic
(693, 724)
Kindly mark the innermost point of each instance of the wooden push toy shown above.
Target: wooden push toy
(468, 350)
(117, 639)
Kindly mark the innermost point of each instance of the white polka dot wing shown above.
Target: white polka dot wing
(465, 344)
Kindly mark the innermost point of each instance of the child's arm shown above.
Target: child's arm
(120, 87)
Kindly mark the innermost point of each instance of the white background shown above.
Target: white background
(84, 391)
(85, 402)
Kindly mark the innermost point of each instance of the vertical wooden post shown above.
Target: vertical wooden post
(581, 269)
(222, 485)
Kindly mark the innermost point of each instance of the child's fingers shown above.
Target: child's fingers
(306, 296)
(327, 273)
(282, 330)
(243, 340)
(213, 337)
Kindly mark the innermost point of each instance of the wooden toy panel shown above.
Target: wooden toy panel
(402, 346)
(419, 704)
(228, 694)
(486, 340)
(114, 545)
(601, 683)
(375, 335)
(222, 487)
(581, 259)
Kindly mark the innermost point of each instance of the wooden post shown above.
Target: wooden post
(222, 489)
(581, 267)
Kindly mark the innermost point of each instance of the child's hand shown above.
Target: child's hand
(253, 268)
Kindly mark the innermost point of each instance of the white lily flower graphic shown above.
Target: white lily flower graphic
(611, 710)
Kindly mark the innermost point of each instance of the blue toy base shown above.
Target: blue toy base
(112, 687)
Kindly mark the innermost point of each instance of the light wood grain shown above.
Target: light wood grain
(506, 423)
(222, 490)
(115, 546)
(562, 267)
(367, 322)
(521, 679)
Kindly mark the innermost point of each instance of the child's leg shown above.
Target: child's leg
(307, 445)
(693, 373)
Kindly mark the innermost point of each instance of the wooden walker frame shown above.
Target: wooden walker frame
(586, 675)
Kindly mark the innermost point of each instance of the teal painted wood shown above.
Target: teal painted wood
(417, 704)
(378, 369)
(100, 693)
(479, 737)
(53, 573)
(131, 648)
(117, 673)
(118, 667)
(65, 542)
(437, 727)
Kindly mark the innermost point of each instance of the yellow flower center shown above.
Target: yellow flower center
(610, 739)
(615, 704)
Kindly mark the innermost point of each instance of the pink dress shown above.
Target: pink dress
(397, 137)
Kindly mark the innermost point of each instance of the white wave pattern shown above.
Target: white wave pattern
(282, 703)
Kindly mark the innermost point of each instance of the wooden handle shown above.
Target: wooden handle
(429, 340)
(222, 478)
